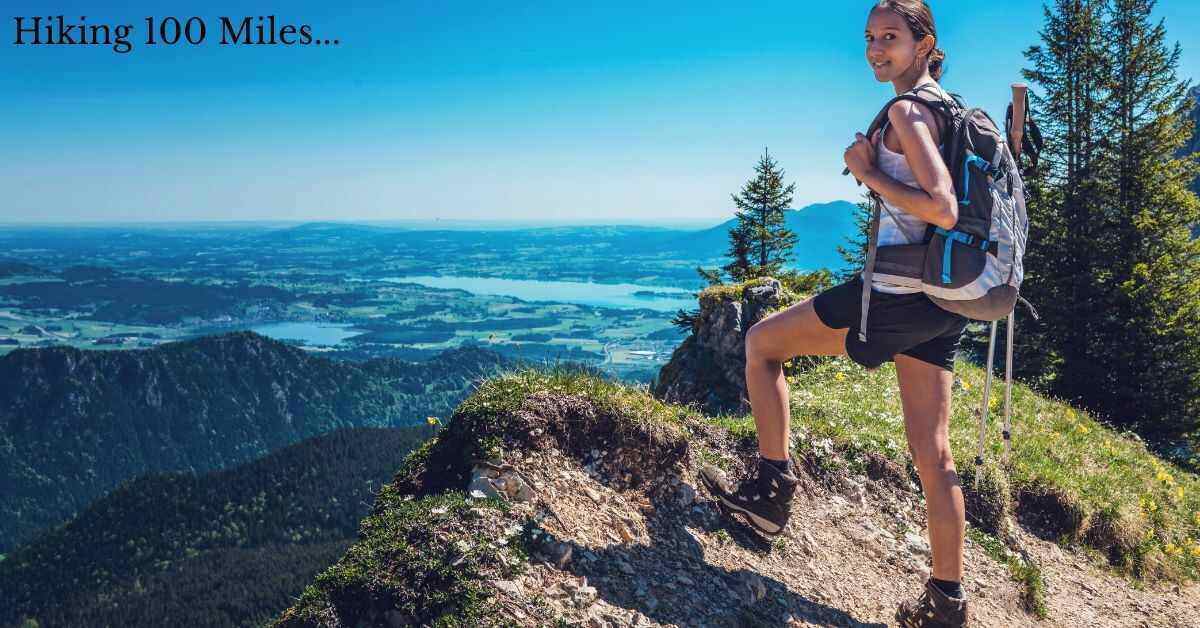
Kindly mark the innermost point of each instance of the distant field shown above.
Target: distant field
(603, 295)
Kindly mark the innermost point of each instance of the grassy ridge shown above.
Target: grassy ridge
(1095, 487)
(1108, 488)
(422, 560)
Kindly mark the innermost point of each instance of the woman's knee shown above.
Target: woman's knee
(757, 345)
(932, 457)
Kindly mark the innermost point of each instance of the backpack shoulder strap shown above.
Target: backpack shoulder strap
(926, 95)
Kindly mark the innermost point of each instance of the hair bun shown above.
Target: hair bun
(937, 55)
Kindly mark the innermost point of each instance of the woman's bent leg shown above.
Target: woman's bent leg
(775, 339)
(925, 396)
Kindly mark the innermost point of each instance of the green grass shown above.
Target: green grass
(1108, 490)
(506, 392)
(1023, 570)
(1117, 496)
(422, 558)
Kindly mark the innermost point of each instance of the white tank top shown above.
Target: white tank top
(904, 228)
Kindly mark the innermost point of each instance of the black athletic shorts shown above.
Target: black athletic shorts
(897, 323)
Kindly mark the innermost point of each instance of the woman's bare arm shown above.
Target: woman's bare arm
(934, 202)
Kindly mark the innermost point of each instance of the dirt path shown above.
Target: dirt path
(848, 559)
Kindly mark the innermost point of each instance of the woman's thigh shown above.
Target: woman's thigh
(794, 332)
(925, 396)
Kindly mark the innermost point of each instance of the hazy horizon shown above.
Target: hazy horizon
(442, 223)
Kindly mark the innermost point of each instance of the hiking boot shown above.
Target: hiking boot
(933, 609)
(764, 500)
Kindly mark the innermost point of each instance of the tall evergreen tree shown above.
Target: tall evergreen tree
(1192, 148)
(761, 204)
(740, 267)
(1154, 263)
(1063, 269)
(855, 249)
(1113, 268)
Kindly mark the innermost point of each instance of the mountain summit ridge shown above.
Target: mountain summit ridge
(558, 496)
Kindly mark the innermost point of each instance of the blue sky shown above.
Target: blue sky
(558, 111)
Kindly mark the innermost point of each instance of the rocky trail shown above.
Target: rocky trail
(586, 513)
(661, 555)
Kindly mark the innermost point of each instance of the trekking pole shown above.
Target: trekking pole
(1008, 364)
(1020, 92)
(983, 408)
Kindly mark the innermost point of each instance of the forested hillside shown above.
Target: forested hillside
(74, 424)
(227, 548)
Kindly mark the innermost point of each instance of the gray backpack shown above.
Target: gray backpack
(974, 269)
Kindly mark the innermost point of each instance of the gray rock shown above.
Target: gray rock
(507, 586)
(686, 494)
(708, 368)
(751, 587)
(481, 482)
(916, 544)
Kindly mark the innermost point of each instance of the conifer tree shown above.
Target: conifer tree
(1192, 148)
(1113, 268)
(855, 249)
(1154, 263)
(740, 268)
(761, 205)
(1064, 203)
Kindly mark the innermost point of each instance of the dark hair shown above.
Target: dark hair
(920, 22)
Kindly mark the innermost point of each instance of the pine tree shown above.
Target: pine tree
(855, 251)
(1192, 148)
(1113, 268)
(740, 268)
(1063, 267)
(1154, 263)
(761, 205)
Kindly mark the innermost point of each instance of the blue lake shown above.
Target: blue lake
(615, 295)
(314, 334)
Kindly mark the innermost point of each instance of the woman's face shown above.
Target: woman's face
(891, 48)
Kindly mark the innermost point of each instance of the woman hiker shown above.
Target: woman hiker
(906, 170)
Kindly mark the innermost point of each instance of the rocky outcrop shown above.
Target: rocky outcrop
(607, 529)
(709, 368)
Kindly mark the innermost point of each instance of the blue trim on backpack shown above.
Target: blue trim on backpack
(980, 163)
(953, 236)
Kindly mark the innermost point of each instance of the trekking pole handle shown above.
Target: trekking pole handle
(1020, 92)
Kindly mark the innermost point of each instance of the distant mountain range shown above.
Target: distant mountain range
(228, 548)
(819, 228)
(74, 424)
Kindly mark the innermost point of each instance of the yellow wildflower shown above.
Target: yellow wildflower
(993, 402)
(1196, 517)
(840, 376)
(1148, 504)
(966, 385)
(1196, 551)
(432, 420)
(1070, 414)
(1165, 477)
(1178, 493)
(1172, 549)
(1083, 429)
